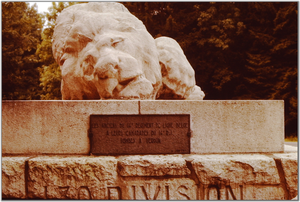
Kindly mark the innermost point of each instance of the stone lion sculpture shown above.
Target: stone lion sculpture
(105, 52)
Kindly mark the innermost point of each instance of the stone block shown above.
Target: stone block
(289, 162)
(71, 177)
(151, 188)
(228, 126)
(53, 127)
(289, 148)
(156, 177)
(61, 127)
(152, 177)
(13, 177)
(126, 177)
(152, 165)
(242, 177)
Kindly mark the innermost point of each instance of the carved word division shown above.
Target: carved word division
(139, 134)
(149, 191)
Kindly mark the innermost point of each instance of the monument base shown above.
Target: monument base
(234, 150)
(271, 176)
(62, 127)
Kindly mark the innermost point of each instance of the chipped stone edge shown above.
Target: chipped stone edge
(188, 158)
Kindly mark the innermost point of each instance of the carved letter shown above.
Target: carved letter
(147, 195)
(217, 190)
(241, 192)
(63, 192)
(114, 193)
(133, 191)
(167, 193)
(182, 193)
(202, 191)
(229, 189)
(84, 193)
(46, 197)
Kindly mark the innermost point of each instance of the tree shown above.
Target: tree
(239, 50)
(21, 33)
(210, 35)
(272, 58)
(50, 78)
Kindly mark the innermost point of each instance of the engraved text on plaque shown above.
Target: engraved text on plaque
(139, 134)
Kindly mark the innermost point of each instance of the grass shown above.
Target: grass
(291, 139)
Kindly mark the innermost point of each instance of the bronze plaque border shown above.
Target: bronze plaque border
(95, 143)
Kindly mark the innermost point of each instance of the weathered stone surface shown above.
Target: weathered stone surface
(105, 52)
(228, 126)
(159, 189)
(156, 177)
(152, 165)
(178, 76)
(289, 163)
(153, 177)
(53, 127)
(241, 169)
(61, 127)
(13, 177)
(71, 177)
(248, 176)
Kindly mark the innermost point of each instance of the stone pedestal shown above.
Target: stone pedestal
(152, 177)
(61, 127)
(236, 152)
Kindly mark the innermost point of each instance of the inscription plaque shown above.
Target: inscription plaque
(139, 134)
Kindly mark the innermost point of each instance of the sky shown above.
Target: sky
(42, 6)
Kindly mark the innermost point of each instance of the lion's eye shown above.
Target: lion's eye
(115, 42)
(69, 49)
(83, 39)
(61, 62)
(63, 59)
(76, 42)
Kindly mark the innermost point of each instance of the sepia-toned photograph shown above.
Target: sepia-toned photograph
(150, 100)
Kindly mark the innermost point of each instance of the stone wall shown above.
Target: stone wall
(152, 177)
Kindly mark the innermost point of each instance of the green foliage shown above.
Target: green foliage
(21, 33)
(50, 78)
(291, 139)
(272, 58)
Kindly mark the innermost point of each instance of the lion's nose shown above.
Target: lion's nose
(106, 66)
(107, 70)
